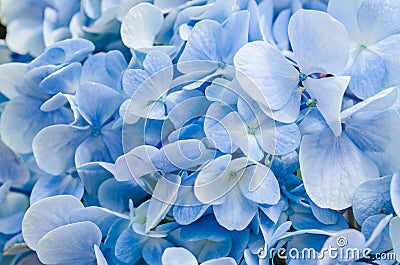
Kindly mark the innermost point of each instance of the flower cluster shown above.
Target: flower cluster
(215, 132)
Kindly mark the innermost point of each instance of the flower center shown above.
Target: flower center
(302, 77)
(251, 131)
(162, 100)
(312, 102)
(363, 45)
(222, 64)
(96, 131)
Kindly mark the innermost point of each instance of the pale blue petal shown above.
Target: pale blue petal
(303, 35)
(329, 94)
(375, 135)
(163, 198)
(178, 256)
(203, 49)
(100, 259)
(236, 212)
(220, 91)
(368, 72)
(115, 195)
(266, 75)
(332, 174)
(104, 68)
(92, 149)
(343, 240)
(280, 29)
(220, 261)
(388, 49)
(381, 101)
(266, 11)
(217, 131)
(394, 230)
(66, 51)
(187, 154)
(22, 119)
(54, 103)
(378, 19)
(48, 186)
(212, 182)
(9, 75)
(278, 138)
(65, 80)
(24, 35)
(260, 185)
(381, 241)
(55, 140)
(12, 166)
(395, 191)
(371, 198)
(156, 61)
(101, 217)
(346, 12)
(62, 246)
(324, 215)
(135, 164)
(90, 98)
(46, 215)
(188, 109)
(141, 25)
(235, 35)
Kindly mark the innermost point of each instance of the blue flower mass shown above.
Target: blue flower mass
(186, 132)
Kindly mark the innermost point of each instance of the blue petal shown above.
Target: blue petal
(104, 68)
(65, 80)
(12, 166)
(66, 51)
(101, 217)
(203, 48)
(371, 198)
(235, 35)
(187, 154)
(236, 212)
(115, 195)
(48, 186)
(80, 250)
(153, 249)
(332, 174)
(55, 140)
(90, 98)
(129, 245)
(22, 119)
(375, 135)
(368, 73)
